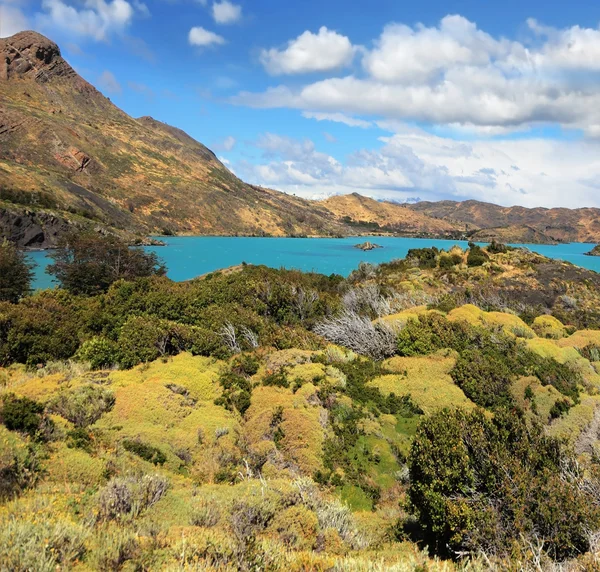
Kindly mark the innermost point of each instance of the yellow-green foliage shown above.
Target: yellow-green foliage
(551, 349)
(544, 397)
(476, 317)
(549, 327)
(67, 465)
(276, 360)
(147, 409)
(581, 339)
(400, 319)
(297, 527)
(302, 434)
(427, 380)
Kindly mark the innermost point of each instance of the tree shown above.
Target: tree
(16, 273)
(88, 263)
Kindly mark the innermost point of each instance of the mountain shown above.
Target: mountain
(66, 148)
(555, 225)
(384, 216)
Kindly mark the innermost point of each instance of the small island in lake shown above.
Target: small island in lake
(594, 252)
(367, 246)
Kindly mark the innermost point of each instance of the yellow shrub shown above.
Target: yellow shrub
(297, 527)
(427, 380)
(549, 327)
(74, 466)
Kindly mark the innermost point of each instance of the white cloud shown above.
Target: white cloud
(226, 12)
(12, 20)
(198, 36)
(453, 74)
(329, 137)
(108, 83)
(338, 118)
(412, 162)
(96, 19)
(324, 51)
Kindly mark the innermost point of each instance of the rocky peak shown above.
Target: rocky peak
(31, 55)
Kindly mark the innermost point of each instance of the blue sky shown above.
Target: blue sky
(498, 101)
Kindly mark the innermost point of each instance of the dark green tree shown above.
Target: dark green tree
(88, 263)
(482, 483)
(16, 273)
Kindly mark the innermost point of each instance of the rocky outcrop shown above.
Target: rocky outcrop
(594, 252)
(30, 229)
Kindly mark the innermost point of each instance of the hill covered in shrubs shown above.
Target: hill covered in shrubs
(435, 413)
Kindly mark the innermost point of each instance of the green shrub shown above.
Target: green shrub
(100, 352)
(24, 415)
(484, 484)
(425, 257)
(277, 379)
(497, 248)
(147, 452)
(476, 256)
(237, 392)
(484, 377)
(560, 407)
(83, 405)
(20, 464)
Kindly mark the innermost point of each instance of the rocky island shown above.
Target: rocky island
(367, 246)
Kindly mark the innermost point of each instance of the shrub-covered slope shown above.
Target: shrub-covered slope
(262, 419)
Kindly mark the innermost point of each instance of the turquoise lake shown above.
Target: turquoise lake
(190, 256)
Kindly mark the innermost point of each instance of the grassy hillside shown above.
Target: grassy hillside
(263, 419)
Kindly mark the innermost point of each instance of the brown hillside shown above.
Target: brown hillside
(356, 209)
(565, 225)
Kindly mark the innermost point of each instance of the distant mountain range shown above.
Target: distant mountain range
(71, 158)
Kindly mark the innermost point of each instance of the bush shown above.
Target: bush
(297, 527)
(83, 405)
(100, 352)
(24, 415)
(476, 256)
(130, 496)
(147, 452)
(16, 273)
(237, 392)
(484, 484)
(484, 377)
(424, 257)
(20, 464)
(497, 248)
(43, 545)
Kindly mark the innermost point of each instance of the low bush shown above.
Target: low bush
(24, 415)
(130, 496)
(83, 405)
(476, 256)
(147, 452)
